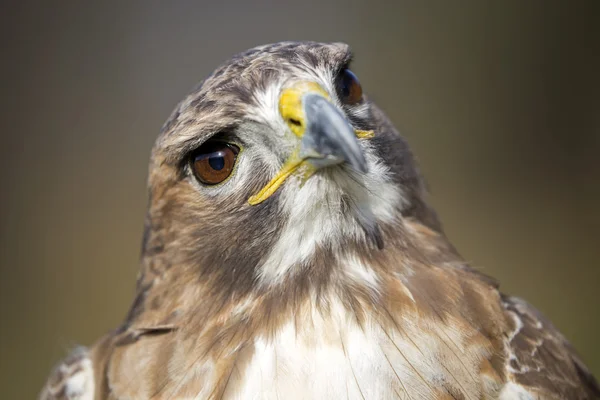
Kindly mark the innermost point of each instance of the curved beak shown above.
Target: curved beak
(329, 138)
(326, 136)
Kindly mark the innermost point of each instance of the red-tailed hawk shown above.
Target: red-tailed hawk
(290, 253)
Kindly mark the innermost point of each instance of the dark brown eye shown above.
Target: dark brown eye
(348, 87)
(213, 162)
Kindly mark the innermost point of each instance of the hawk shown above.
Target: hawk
(290, 253)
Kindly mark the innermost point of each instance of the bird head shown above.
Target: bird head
(277, 162)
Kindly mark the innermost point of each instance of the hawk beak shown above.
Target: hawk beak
(329, 138)
(326, 136)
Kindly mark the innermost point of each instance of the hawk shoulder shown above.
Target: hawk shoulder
(71, 379)
(540, 363)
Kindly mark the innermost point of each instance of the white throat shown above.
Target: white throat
(325, 211)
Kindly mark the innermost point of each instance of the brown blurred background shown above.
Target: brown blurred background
(500, 101)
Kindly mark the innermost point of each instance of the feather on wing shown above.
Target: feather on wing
(72, 379)
(541, 361)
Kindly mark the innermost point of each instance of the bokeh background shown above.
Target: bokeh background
(500, 101)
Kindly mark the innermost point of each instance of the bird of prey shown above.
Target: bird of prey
(290, 253)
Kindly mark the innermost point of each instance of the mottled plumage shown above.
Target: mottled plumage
(340, 286)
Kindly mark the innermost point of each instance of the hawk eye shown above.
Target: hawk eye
(348, 87)
(213, 162)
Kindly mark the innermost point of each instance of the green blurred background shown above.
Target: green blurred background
(500, 101)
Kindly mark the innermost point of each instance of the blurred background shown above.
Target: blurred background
(500, 101)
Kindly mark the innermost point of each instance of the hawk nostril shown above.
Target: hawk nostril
(294, 122)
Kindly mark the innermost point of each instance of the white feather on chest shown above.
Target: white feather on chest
(335, 358)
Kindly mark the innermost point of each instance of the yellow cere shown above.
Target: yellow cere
(290, 104)
(292, 111)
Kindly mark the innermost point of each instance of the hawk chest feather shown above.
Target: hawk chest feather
(334, 357)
